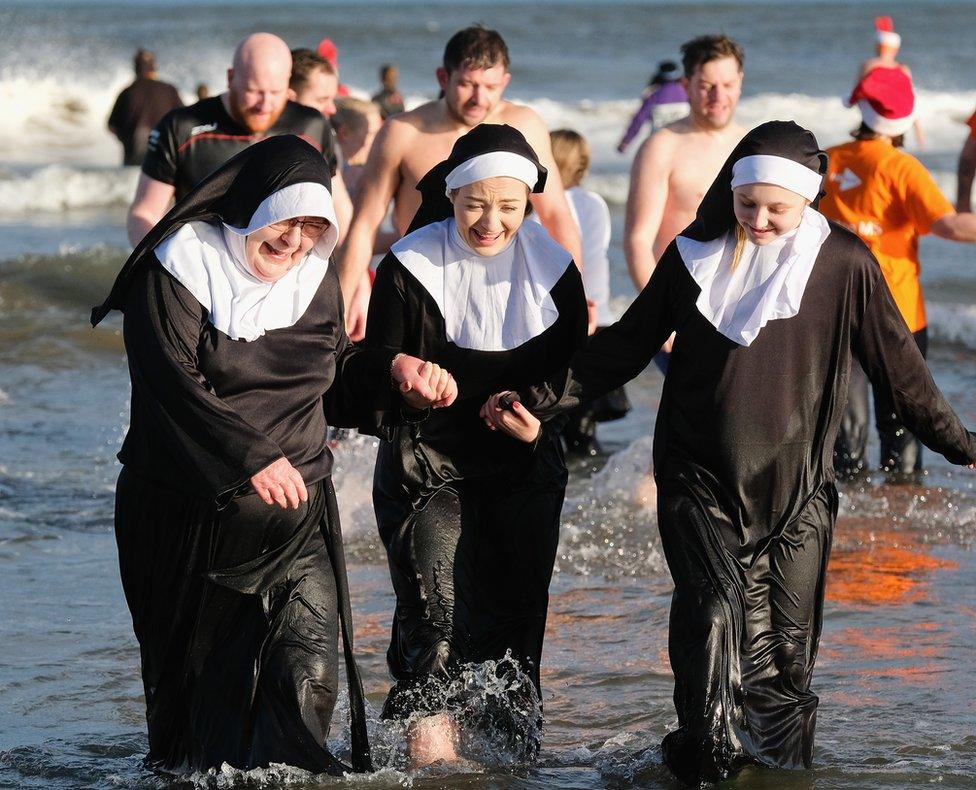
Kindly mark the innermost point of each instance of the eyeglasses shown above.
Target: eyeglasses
(310, 228)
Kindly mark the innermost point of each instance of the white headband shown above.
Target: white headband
(889, 38)
(492, 165)
(777, 170)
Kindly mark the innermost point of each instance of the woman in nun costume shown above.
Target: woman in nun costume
(470, 519)
(770, 303)
(229, 543)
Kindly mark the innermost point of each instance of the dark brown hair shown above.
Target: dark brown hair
(704, 49)
(475, 47)
(303, 63)
(865, 132)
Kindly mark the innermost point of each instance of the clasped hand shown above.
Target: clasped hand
(423, 384)
(518, 422)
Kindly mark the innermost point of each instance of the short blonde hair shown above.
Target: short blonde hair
(572, 155)
(352, 112)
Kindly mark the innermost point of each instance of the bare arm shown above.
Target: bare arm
(956, 227)
(965, 172)
(343, 205)
(151, 202)
(649, 177)
(551, 204)
(380, 179)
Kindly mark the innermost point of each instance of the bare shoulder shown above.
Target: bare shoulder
(523, 118)
(658, 149)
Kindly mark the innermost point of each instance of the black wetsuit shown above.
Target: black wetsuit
(746, 499)
(138, 108)
(191, 142)
(237, 604)
(469, 518)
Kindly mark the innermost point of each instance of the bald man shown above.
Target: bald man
(191, 142)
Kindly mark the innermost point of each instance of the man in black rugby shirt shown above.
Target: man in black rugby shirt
(191, 142)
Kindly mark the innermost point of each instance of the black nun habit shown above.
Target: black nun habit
(238, 605)
(470, 518)
(743, 451)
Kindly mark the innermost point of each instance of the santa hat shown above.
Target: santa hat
(328, 50)
(885, 32)
(886, 100)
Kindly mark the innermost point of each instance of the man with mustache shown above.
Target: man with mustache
(473, 78)
(191, 142)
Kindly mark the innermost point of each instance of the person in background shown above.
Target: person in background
(356, 123)
(203, 91)
(664, 101)
(327, 49)
(388, 98)
(139, 107)
(571, 153)
(890, 200)
(966, 169)
(674, 166)
(887, 45)
(313, 82)
(191, 142)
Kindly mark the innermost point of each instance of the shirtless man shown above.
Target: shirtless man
(473, 78)
(675, 166)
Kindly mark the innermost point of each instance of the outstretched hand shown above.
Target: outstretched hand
(423, 384)
(280, 483)
(518, 422)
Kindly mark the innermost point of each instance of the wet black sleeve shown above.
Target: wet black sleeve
(890, 357)
(162, 150)
(619, 352)
(162, 328)
(361, 396)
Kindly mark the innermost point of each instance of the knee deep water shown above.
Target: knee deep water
(898, 650)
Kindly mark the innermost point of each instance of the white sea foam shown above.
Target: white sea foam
(55, 152)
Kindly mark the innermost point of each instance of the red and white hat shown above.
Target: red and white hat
(886, 100)
(885, 32)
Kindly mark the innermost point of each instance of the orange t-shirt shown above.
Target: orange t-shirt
(889, 199)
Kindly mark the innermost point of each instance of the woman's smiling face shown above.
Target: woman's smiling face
(489, 212)
(272, 252)
(767, 211)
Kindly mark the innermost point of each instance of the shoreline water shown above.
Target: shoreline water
(897, 653)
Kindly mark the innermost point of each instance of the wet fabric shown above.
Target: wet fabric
(470, 517)
(236, 603)
(901, 452)
(743, 450)
(742, 640)
(470, 567)
(235, 612)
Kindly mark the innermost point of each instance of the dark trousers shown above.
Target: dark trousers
(901, 452)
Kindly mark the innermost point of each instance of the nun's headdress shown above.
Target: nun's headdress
(769, 283)
(777, 152)
(490, 303)
(487, 151)
(278, 178)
